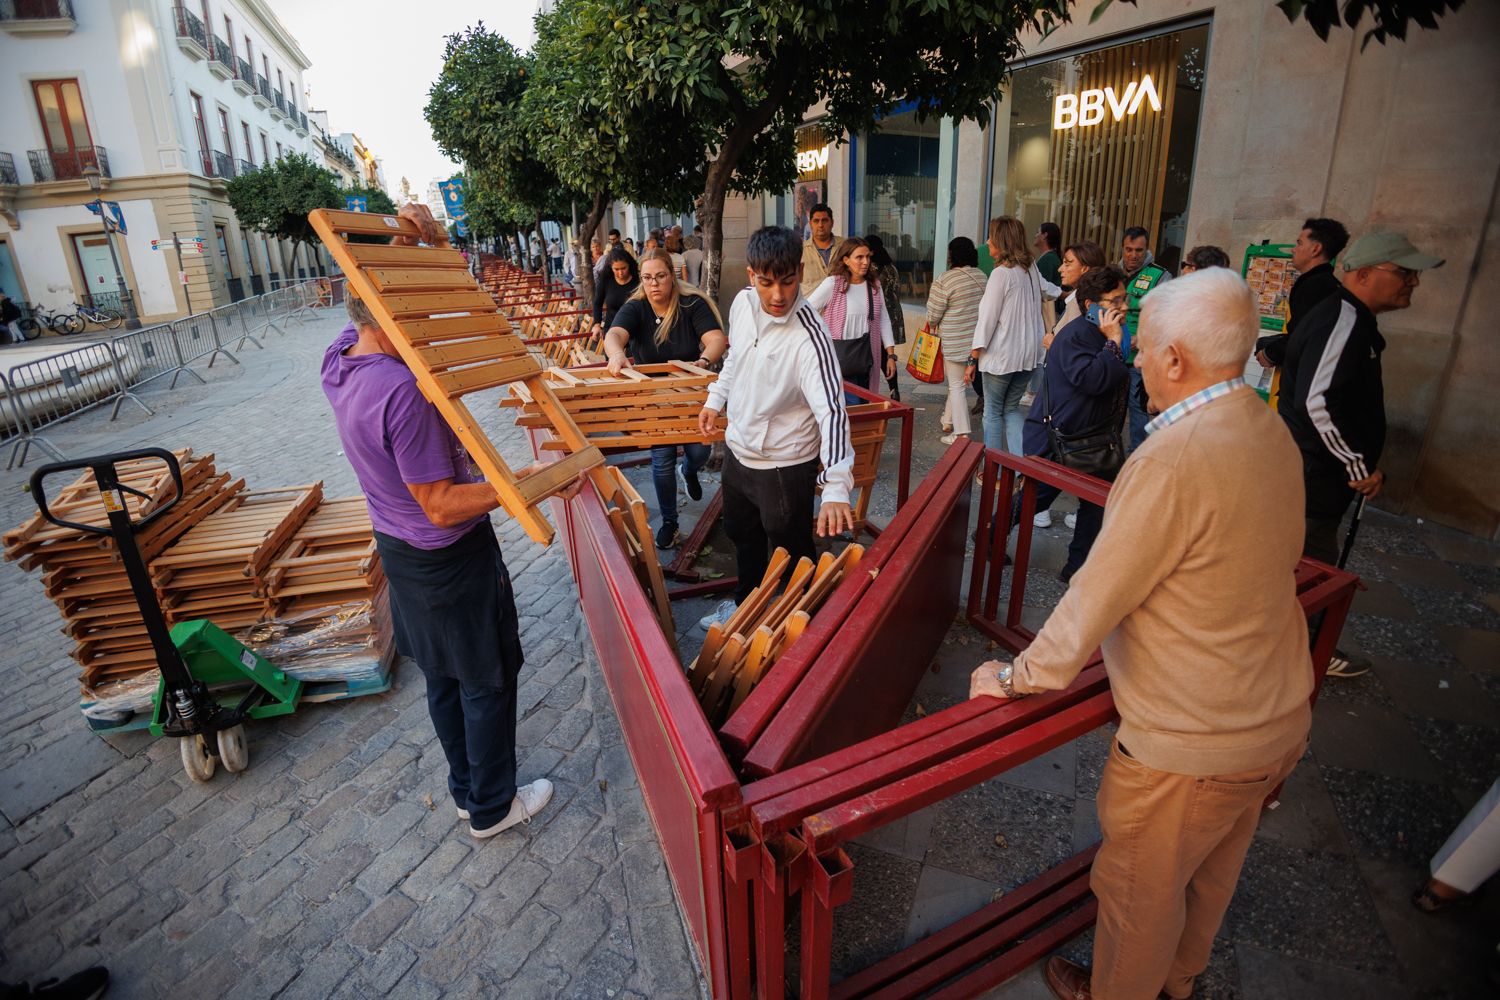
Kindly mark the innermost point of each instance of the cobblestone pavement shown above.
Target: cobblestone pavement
(323, 871)
(334, 866)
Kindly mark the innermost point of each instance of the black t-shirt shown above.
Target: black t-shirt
(610, 295)
(684, 343)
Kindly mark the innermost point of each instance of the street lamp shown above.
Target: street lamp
(96, 184)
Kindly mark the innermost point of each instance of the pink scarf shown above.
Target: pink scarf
(833, 315)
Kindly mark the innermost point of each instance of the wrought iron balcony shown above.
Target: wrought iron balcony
(299, 122)
(37, 17)
(243, 167)
(49, 165)
(192, 37)
(217, 164)
(262, 94)
(220, 62)
(244, 76)
(8, 173)
(278, 106)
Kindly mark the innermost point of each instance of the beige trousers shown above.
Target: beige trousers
(1172, 852)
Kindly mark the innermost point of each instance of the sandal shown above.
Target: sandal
(1428, 900)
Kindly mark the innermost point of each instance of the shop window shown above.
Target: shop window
(896, 194)
(1104, 140)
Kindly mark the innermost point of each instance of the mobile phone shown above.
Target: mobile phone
(1096, 313)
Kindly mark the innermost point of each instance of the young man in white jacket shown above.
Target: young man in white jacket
(784, 399)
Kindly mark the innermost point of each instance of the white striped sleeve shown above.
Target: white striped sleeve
(822, 387)
(1317, 396)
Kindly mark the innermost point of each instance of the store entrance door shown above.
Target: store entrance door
(96, 266)
(10, 282)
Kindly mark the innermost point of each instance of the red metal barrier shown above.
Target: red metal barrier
(741, 854)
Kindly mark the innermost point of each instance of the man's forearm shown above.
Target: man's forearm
(461, 502)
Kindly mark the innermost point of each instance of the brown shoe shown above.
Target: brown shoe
(1068, 981)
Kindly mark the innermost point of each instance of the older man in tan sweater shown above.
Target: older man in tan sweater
(1189, 593)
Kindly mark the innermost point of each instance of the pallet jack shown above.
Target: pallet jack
(210, 682)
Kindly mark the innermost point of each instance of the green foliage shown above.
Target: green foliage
(474, 110)
(1390, 18)
(276, 199)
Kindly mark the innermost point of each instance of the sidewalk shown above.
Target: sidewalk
(324, 871)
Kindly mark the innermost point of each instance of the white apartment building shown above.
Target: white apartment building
(167, 101)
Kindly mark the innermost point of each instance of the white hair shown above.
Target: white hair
(1210, 314)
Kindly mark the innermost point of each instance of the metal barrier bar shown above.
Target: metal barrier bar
(250, 308)
(220, 320)
(47, 390)
(192, 338)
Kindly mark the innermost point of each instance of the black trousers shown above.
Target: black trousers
(765, 509)
(1085, 529)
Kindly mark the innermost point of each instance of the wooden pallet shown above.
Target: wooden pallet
(737, 654)
(452, 335)
(641, 407)
(628, 515)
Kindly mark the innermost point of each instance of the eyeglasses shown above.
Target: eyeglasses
(1406, 274)
(652, 279)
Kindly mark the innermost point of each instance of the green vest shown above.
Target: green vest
(1136, 288)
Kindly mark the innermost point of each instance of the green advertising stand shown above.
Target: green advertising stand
(1268, 270)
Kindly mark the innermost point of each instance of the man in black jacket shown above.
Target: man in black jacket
(1319, 242)
(1332, 397)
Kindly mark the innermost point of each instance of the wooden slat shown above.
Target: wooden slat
(423, 331)
(376, 254)
(367, 224)
(413, 279)
(428, 303)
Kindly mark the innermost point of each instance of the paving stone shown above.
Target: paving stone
(380, 921)
(1372, 738)
(1037, 829)
(1477, 649)
(1265, 974)
(562, 833)
(943, 897)
(432, 874)
(450, 958)
(1435, 692)
(1392, 818)
(387, 968)
(322, 973)
(436, 918)
(523, 935)
(332, 874)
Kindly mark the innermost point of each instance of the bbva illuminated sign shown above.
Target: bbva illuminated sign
(1088, 108)
(809, 160)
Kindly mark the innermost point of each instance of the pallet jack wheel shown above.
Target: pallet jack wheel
(233, 750)
(196, 760)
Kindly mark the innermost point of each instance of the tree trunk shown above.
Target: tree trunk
(591, 224)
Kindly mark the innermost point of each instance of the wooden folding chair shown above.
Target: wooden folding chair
(453, 337)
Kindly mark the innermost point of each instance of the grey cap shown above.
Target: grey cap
(1395, 248)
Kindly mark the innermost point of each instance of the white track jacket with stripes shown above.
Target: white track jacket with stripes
(783, 395)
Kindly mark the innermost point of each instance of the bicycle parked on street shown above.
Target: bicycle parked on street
(37, 317)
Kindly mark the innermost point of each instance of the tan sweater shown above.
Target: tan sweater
(1189, 592)
(813, 268)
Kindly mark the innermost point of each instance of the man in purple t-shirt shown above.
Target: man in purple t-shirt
(451, 600)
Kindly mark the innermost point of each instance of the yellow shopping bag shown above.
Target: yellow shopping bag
(926, 361)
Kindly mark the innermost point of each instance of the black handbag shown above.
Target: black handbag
(1098, 451)
(854, 356)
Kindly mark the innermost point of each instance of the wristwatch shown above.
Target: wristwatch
(971, 363)
(1004, 678)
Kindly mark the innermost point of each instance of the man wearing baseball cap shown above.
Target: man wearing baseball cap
(1332, 398)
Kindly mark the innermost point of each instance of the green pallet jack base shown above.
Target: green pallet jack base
(217, 659)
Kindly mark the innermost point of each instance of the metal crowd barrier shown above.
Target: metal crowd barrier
(40, 393)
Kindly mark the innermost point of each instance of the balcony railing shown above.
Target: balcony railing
(244, 76)
(68, 164)
(243, 167)
(299, 121)
(37, 16)
(278, 105)
(8, 173)
(192, 37)
(217, 164)
(220, 61)
(262, 94)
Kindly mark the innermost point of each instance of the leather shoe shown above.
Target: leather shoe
(1066, 980)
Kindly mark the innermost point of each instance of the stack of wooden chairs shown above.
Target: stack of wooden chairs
(867, 427)
(216, 570)
(632, 527)
(455, 339)
(737, 654)
(641, 407)
(82, 572)
(330, 560)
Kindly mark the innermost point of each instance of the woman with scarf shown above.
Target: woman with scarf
(853, 305)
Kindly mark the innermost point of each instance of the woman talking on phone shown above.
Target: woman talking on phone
(1083, 391)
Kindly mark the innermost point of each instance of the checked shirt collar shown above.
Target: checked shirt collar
(1177, 411)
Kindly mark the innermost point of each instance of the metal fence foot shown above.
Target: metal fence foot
(185, 368)
(121, 397)
(224, 351)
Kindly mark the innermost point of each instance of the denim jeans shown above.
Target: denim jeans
(1139, 418)
(1002, 410)
(664, 474)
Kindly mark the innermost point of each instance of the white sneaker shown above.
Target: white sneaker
(720, 615)
(530, 800)
(1071, 520)
(1043, 520)
(462, 813)
(950, 438)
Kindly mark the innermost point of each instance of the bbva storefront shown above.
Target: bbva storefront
(1226, 124)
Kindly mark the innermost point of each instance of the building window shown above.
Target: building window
(59, 105)
(223, 239)
(229, 35)
(248, 57)
(265, 68)
(278, 151)
(896, 193)
(265, 149)
(1104, 140)
(249, 146)
(202, 129)
(245, 248)
(280, 83)
(224, 133)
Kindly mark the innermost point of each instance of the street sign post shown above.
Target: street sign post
(113, 219)
(355, 204)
